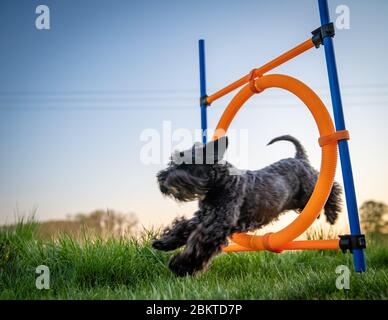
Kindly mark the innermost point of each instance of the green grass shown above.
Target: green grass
(131, 269)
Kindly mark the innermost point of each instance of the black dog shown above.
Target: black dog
(231, 200)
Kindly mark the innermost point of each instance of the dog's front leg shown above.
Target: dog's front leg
(176, 235)
(205, 241)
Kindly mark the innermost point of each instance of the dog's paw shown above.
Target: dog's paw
(180, 267)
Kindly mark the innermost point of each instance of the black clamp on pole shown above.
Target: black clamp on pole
(326, 30)
(350, 242)
(203, 101)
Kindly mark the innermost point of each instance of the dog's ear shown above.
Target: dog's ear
(211, 152)
(215, 150)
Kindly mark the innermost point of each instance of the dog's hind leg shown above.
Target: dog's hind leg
(333, 203)
(176, 235)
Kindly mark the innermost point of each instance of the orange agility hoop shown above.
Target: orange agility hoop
(257, 81)
(283, 239)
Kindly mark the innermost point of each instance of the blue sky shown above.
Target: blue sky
(74, 99)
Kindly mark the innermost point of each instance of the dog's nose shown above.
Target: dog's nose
(163, 188)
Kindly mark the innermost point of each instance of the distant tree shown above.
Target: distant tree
(105, 223)
(373, 216)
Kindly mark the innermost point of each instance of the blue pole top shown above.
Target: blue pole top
(324, 11)
(202, 69)
(202, 82)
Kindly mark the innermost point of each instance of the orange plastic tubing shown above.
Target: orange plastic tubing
(278, 240)
(304, 46)
(294, 245)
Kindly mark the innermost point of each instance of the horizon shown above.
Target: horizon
(75, 100)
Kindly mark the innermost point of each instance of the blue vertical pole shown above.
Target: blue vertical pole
(350, 193)
(202, 82)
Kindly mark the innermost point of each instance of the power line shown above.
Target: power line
(163, 91)
(282, 96)
(168, 107)
(171, 99)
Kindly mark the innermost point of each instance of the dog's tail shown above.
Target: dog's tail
(300, 152)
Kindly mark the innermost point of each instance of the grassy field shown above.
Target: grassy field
(131, 269)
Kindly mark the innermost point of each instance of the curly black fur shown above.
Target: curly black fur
(230, 202)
